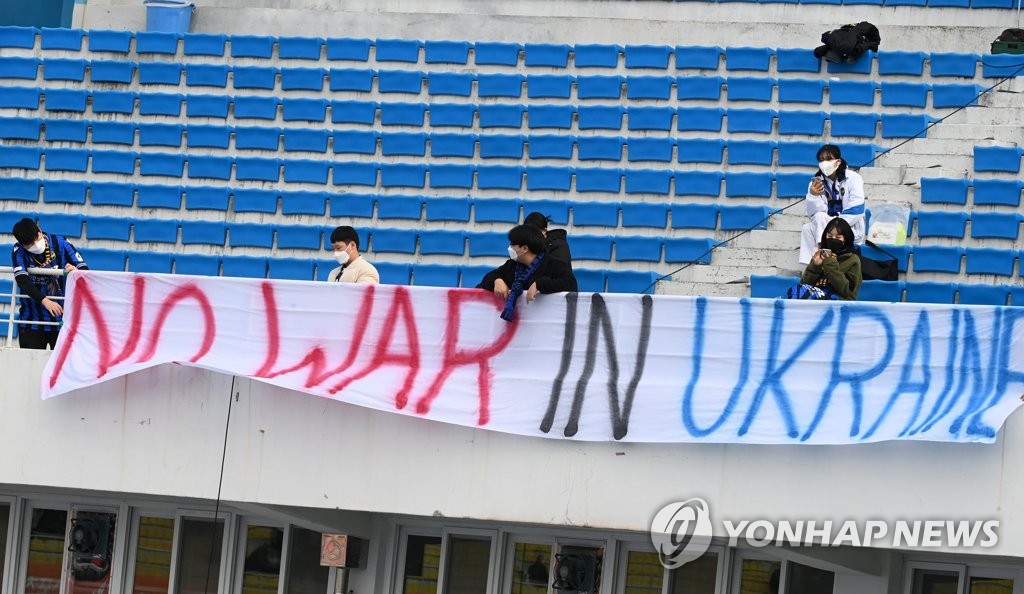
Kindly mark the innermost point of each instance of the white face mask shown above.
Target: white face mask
(512, 253)
(341, 257)
(828, 167)
(38, 247)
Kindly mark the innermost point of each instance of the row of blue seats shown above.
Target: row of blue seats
(538, 86)
(383, 175)
(998, 192)
(997, 158)
(419, 144)
(913, 292)
(983, 225)
(494, 53)
(468, 115)
(949, 259)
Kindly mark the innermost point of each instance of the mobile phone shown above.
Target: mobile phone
(826, 252)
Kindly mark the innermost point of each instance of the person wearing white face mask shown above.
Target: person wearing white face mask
(35, 249)
(834, 191)
(354, 268)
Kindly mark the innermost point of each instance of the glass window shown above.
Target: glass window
(531, 568)
(90, 546)
(262, 569)
(758, 576)
(153, 550)
(5, 520)
(305, 574)
(422, 560)
(199, 552)
(982, 585)
(932, 581)
(468, 565)
(696, 577)
(803, 579)
(644, 573)
(45, 551)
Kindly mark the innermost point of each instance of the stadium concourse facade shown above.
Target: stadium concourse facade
(120, 487)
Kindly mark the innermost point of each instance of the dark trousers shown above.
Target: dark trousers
(37, 339)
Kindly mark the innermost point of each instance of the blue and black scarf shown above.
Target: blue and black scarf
(522, 274)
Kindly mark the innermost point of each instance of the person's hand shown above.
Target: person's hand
(501, 289)
(817, 188)
(818, 258)
(531, 293)
(70, 268)
(52, 306)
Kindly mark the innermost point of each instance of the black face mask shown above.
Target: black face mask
(836, 245)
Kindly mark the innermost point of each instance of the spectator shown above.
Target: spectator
(555, 242)
(529, 267)
(35, 249)
(354, 268)
(834, 192)
(537, 572)
(834, 270)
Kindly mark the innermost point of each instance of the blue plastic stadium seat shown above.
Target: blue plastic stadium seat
(113, 162)
(165, 164)
(797, 60)
(799, 154)
(770, 287)
(930, 292)
(452, 176)
(499, 177)
(544, 54)
(168, 104)
(244, 266)
(65, 191)
(954, 64)
(442, 241)
(453, 115)
(700, 150)
(697, 57)
(256, 108)
(20, 157)
(206, 197)
(854, 124)
(303, 109)
(699, 87)
(638, 249)
(306, 171)
(251, 235)
(748, 58)
(16, 67)
(159, 134)
(399, 81)
(352, 205)
(852, 92)
(496, 210)
(698, 183)
(881, 291)
(937, 258)
(790, 185)
(941, 224)
(995, 225)
(108, 227)
(649, 87)
(557, 211)
(955, 95)
(152, 262)
(901, 125)
(650, 118)
(500, 85)
(599, 148)
(303, 202)
(302, 79)
(400, 207)
(66, 100)
(595, 179)
(971, 294)
(68, 225)
(436, 275)
(448, 208)
(63, 69)
(402, 114)
(206, 75)
(631, 281)
(19, 37)
(355, 142)
(260, 138)
(104, 259)
(1016, 296)
(545, 116)
(591, 280)
(111, 194)
(501, 146)
(738, 218)
(56, 130)
(300, 269)
(452, 145)
(487, 243)
(207, 106)
(648, 181)
(694, 216)
(904, 94)
(591, 247)
(997, 192)
(257, 169)
(20, 128)
(400, 241)
(547, 146)
(751, 152)
(596, 55)
(450, 83)
(58, 38)
(599, 117)
(160, 73)
(351, 79)
(393, 273)
(203, 233)
(997, 158)
(548, 86)
(112, 71)
(305, 140)
(299, 237)
(255, 46)
(357, 50)
(67, 159)
(549, 178)
(197, 264)
(651, 149)
(254, 77)
(446, 52)
(748, 184)
(20, 98)
(988, 261)
(901, 62)
(16, 188)
(595, 214)
(638, 214)
(156, 230)
(647, 56)
(398, 50)
(158, 196)
(936, 190)
(598, 87)
(743, 88)
(1000, 65)
(204, 44)
(861, 66)
(750, 120)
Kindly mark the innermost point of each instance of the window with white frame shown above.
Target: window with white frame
(150, 557)
(529, 565)
(198, 553)
(420, 564)
(958, 578)
(640, 571)
(456, 561)
(70, 549)
(304, 573)
(754, 573)
(262, 548)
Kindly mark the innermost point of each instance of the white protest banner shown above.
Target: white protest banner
(573, 365)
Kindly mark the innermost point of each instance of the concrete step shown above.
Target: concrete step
(909, 175)
(703, 289)
(971, 134)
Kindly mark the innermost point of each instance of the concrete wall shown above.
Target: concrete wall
(160, 432)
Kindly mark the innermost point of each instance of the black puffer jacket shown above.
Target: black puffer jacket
(557, 246)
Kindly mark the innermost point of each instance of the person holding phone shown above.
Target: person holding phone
(834, 269)
(834, 191)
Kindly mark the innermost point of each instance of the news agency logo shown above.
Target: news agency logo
(681, 532)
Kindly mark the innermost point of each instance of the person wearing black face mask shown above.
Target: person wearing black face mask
(834, 270)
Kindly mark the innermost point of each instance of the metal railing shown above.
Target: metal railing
(13, 296)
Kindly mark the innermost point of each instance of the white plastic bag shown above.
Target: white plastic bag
(889, 222)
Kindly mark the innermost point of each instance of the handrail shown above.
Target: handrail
(14, 294)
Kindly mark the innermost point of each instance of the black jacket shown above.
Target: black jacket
(552, 276)
(557, 246)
